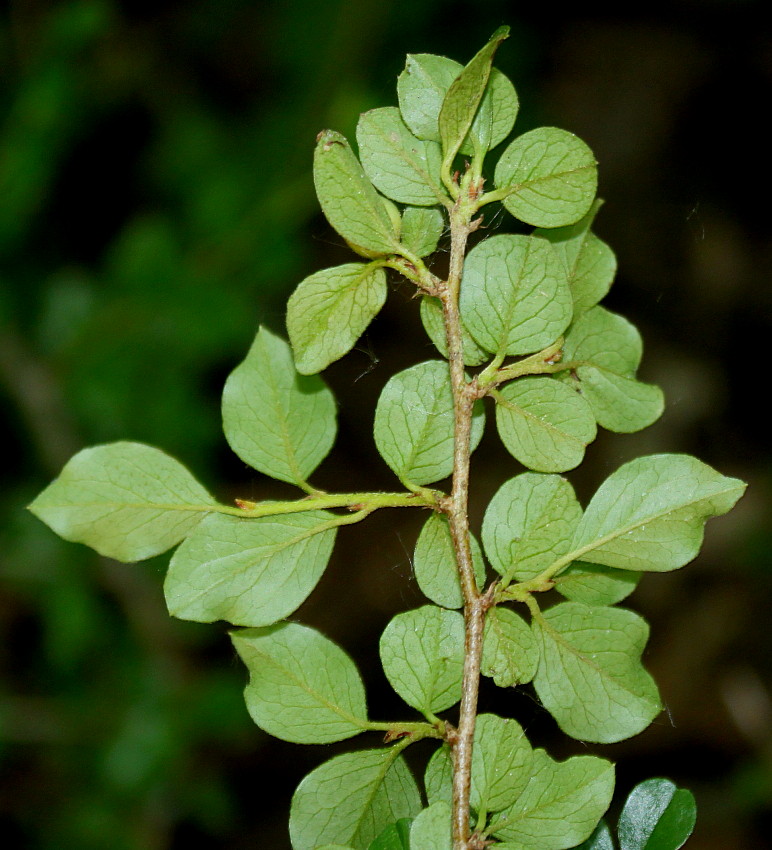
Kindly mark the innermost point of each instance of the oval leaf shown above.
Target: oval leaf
(560, 806)
(302, 687)
(351, 799)
(414, 423)
(279, 422)
(431, 829)
(514, 297)
(650, 514)
(421, 229)
(589, 262)
(501, 763)
(400, 165)
(330, 310)
(529, 524)
(606, 350)
(544, 424)
(551, 176)
(434, 563)
(348, 199)
(590, 677)
(127, 500)
(595, 584)
(431, 316)
(438, 777)
(249, 572)
(422, 653)
(657, 816)
(510, 653)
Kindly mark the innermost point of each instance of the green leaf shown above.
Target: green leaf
(302, 687)
(435, 563)
(431, 830)
(501, 763)
(607, 350)
(462, 101)
(126, 500)
(249, 572)
(422, 87)
(515, 297)
(510, 653)
(414, 423)
(421, 229)
(348, 199)
(396, 836)
(544, 424)
(589, 262)
(330, 310)
(590, 677)
(438, 777)
(559, 807)
(650, 514)
(595, 584)
(422, 653)
(400, 165)
(599, 840)
(351, 799)
(431, 316)
(657, 816)
(551, 176)
(529, 524)
(279, 422)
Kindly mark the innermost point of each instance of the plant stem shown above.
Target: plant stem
(456, 507)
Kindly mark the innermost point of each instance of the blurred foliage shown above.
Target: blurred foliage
(157, 204)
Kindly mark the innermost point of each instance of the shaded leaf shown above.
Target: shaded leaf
(552, 176)
(351, 799)
(510, 653)
(431, 830)
(515, 297)
(249, 572)
(330, 310)
(348, 199)
(127, 500)
(279, 422)
(462, 101)
(431, 316)
(657, 816)
(501, 763)
(599, 840)
(435, 563)
(396, 836)
(302, 687)
(438, 777)
(529, 524)
(421, 229)
(560, 806)
(422, 87)
(607, 351)
(422, 653)
(589, 262)
(544, 424)
(590, 676)
(650, 514)
(595, 584)
(400, 165)
(414, 423)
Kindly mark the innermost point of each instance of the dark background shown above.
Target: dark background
(156, 204)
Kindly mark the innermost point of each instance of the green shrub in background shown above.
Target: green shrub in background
(522, 310)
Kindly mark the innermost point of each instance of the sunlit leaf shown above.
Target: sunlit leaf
(438, 777)
(595, 584)
(551, 175)
(302, 687)
(501, 763)
(249, 572)
(351, 799)
(330, 310)
(431, 828)
(510, 652)
(128, 501)
(421, 229)
(515, 297)
(422, 652)
(279, 422)
(590, 676)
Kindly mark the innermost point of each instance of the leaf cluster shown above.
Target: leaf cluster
(522, 312)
